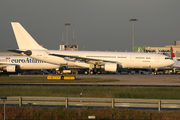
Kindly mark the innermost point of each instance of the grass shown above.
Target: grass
(88, 91)
(6, 79)
(93, 91)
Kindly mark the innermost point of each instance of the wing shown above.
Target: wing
(26, 52)
(3, 65)
(85, 59)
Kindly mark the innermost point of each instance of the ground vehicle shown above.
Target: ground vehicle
(145, 71)
(64, 72)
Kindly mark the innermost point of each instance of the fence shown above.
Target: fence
(98, 102)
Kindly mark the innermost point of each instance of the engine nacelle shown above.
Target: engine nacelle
(112, 67)
(10, 68)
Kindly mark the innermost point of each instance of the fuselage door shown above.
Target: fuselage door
(157, 58)
(131, 57)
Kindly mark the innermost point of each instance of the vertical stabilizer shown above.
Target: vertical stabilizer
(173, 57)
(23, 38)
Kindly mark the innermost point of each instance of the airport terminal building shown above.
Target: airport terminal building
(165, 50)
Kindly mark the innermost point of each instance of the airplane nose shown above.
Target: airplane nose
(171, 62)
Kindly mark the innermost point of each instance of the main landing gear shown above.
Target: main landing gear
(91, 72)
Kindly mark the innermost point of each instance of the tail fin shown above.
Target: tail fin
(173, 57)
(23, 38)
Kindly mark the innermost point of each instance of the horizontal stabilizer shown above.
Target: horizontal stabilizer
(26, 52)
(16, 51)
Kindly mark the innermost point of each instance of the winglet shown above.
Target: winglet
(23, 38)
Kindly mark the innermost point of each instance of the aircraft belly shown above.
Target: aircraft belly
(139, 64)
(130, 64)
(26, 66)
(38, 66)
(159, 64)
(32, 66)
(147, 64)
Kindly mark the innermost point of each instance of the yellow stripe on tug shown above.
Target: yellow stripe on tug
(67, 77)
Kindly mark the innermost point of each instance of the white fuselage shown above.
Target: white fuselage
(125, 59)
(25, 63)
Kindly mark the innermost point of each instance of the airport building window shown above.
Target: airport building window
(121, 57)
(139, 57)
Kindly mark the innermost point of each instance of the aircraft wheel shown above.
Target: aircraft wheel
(86, 72)
(98, 72)
(91, 72)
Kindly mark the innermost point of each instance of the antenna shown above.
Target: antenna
(62, 38)
(73, 37)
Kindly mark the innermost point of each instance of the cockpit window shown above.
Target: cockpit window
(167, 58)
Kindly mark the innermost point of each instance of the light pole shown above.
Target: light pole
(133, 32)
(66, 24)
(4, 99)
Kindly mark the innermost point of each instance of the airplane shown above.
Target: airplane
(174, 67)
(109, 61)
(173, 57)
(13, 64)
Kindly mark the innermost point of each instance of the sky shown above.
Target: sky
(97, 24)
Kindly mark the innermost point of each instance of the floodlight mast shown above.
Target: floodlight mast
(66, 24)
(133, 32)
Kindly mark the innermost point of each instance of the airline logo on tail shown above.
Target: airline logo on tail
(173, 57)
